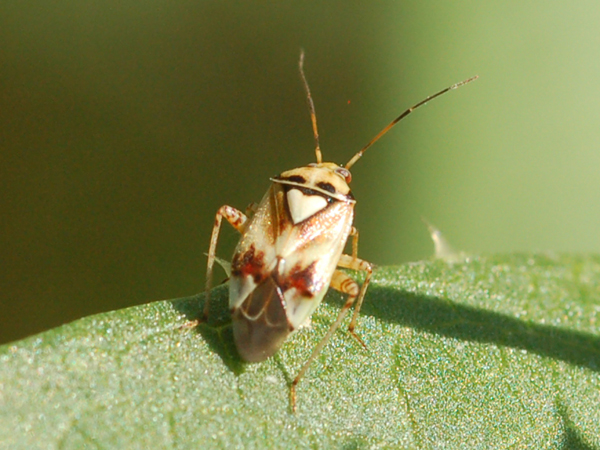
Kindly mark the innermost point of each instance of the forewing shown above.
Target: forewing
(311, 255)
(281, 271)
(255, 255)
(260, 324)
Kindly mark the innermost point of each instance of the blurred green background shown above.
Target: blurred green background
(125, 125)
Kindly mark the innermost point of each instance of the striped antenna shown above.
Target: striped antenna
(399, 118)
(311, 109)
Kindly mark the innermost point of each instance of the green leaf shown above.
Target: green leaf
(491, 352)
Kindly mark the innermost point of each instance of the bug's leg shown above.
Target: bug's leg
(354, 234)
(343, 283)
(251, 209)
(351, 262)
(238, 220)
(357, 264)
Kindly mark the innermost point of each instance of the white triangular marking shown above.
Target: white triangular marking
(303, 206)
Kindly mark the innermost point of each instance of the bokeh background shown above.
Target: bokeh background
(125, 125)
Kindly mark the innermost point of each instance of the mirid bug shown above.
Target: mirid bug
(290, 250)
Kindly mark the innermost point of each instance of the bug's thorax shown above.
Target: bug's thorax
(312, 188)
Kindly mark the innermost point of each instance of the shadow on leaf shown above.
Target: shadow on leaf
(217, 332)
(432, 314)
(572, 437)
(445, 318)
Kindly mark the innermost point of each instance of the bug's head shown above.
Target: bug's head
(324, 179)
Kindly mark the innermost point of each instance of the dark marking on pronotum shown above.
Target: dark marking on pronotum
(295, 179)
(326, 186)
(310, 192)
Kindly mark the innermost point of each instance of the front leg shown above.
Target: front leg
(238, 220)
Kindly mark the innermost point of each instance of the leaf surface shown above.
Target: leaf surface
(491, 352)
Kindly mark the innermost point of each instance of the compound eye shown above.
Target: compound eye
(344, 173)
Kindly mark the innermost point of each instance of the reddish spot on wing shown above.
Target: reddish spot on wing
(250, 263)
(302, 280)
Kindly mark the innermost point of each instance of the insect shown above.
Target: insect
(291, 249)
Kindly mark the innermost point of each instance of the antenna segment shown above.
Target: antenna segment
(311, 109)
(400, 117)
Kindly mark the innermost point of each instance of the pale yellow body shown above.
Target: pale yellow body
(286, 257)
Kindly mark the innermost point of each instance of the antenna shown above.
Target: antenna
(397, 119)
(311, 109)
